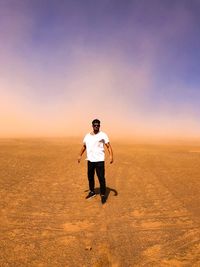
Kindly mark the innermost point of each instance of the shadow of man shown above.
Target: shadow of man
(108, 191)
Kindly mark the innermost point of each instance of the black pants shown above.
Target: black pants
(100, 171)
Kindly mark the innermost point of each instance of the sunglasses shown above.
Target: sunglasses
(96, 125)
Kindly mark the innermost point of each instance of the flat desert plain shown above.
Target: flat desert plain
(151, 217)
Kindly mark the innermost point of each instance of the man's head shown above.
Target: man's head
(96, 125)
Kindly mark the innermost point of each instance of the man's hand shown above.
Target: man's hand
(110, 152)
(79, 159)
(81, 153)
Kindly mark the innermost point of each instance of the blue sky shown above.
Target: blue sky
(135, 63)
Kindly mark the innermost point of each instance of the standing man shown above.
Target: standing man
(94, 143)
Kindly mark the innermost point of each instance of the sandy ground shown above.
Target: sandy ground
(151, 217)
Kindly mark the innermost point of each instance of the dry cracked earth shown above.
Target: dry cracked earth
(151, 217)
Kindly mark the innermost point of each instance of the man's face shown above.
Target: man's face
(96, 127)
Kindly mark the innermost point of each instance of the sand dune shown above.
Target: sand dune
(151, 217)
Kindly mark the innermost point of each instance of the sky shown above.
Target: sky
(133, 64)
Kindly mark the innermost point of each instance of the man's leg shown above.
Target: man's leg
(100, 170)
(90, 172)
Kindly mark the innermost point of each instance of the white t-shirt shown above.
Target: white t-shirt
(95, 146)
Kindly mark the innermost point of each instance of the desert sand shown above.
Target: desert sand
(151, 217)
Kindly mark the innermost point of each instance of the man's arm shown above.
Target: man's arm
(110, 151)
(81, 153)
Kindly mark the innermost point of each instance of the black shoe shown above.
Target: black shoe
(103, 199)
(91, 195)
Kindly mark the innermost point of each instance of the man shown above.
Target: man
(94, 143)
